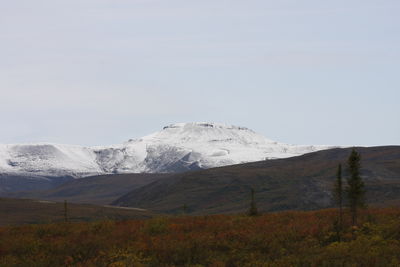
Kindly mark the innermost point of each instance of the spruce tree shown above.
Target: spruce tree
(338, 197)
(65, 211)
(253, 208)
(355, 189)
(338, 192)
(184, 209)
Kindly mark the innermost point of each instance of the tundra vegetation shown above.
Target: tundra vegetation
(293, 238)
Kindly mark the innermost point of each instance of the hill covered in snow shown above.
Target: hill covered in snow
(176, 148)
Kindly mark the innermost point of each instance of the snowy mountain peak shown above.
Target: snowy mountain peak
(205, 125)
(177, 147)
(200, 133)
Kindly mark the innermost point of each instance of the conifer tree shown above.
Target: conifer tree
(184, 209)
(338, 192)
(253, 208)
(65, 211)
(355, 189)
(338, 197)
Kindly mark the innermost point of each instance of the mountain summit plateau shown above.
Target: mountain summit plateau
(176, 148)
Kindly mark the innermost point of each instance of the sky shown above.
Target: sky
(99, 72)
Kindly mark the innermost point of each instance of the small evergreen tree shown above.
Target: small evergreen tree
(355, 189)
(338, 197)
(65, 211)
(338, 192)
(184, 209)
(253, 208)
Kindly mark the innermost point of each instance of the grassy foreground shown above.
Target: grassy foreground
(275, 239)
(29, 211)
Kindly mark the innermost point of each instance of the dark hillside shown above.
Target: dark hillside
(98, 190)
(301, 183)
(10, 184)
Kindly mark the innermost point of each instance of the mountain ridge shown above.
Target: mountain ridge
(177, 147)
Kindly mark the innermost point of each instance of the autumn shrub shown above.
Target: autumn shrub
(275, 239)
(156, 226)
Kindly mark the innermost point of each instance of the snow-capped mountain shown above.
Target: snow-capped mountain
(177, 147)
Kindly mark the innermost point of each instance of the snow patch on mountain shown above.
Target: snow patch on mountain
(48, 159)
(176, 148)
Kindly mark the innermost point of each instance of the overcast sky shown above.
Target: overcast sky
(96, 72)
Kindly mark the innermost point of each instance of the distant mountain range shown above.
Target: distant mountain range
(176, 148)
(303, 182)
(206, 167)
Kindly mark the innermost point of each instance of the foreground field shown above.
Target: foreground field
(275, 239)
(29, 211)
